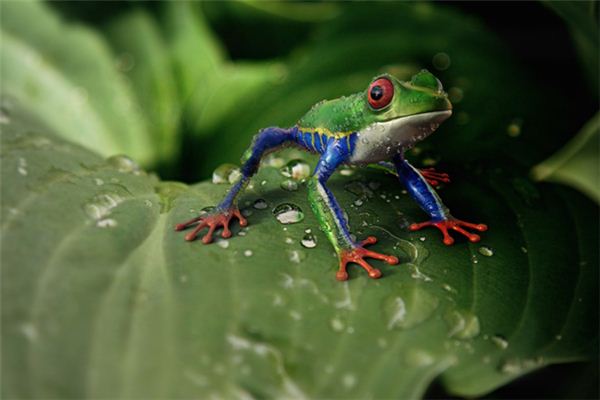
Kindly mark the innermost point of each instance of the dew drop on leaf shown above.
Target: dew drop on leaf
(260, 204)
(123, 164)
(462, 324)
(226, 173)
(309, 241)
(500, 341)
(289, 185)
(288, 213)
(486, 251)
(296, 169)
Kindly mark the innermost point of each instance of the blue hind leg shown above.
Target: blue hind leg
(420, 190)
(266, 140)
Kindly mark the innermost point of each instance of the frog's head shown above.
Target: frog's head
(407, 111)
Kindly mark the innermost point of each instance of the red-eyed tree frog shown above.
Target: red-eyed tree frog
(375, 126)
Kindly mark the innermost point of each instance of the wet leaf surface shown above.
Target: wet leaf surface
(101, 298)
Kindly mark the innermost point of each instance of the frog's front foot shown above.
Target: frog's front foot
(213, 220)
(455, 224)
(357, 255)
(433, 177)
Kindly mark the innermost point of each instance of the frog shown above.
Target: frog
(374, 127)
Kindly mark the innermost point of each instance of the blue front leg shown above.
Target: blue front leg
(430, 202)
(266, 140)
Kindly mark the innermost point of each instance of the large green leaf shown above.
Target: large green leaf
(101, 298)
(145, 59)
(65, 74)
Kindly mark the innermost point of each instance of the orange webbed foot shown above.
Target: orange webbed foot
(358, 254)
(213, 220)
(454, 224)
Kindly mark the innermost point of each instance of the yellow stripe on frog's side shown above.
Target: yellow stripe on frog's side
(325, 131)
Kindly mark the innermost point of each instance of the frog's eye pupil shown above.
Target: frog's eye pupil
(380, 93)
(376, 92)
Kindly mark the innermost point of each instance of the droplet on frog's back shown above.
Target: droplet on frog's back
(288, 213)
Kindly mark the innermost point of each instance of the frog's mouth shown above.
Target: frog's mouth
(404, 132)
(382, 140)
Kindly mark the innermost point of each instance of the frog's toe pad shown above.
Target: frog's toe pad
(357, 255)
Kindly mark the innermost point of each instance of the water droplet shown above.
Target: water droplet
(359, 189)
(418, 358)
(22, 166)
(346, 171)
(396, 312)
(106, 223)
(337, 325)
(98, 181)
(101, 205)
(441, 61)
(422, 238)
(289, 185)
(514, 128)
(462, 324)
(296, 169)
(29, 331)
(288, 213)
(222, 243)
(449, 288)
(226, 173)
(260, 204)
(123, 164)
(296, 256)
(349, 381)
(263, 182)
(295, 315)
(524, 249)
(500, 341)
(248, 253)
(486, 251)
(309, 241)
(517, 366)
(474, 259)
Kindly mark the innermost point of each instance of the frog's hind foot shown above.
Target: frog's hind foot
(213, 220)
(357, 255)
(434, 177)
(454, 224)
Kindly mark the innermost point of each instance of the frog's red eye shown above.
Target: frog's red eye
(380, 93)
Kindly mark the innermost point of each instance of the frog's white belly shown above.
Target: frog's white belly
(382, 140)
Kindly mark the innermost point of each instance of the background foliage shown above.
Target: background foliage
(182, 87)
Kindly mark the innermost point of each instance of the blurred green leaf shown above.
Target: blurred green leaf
(100, 298)
(576, 164)
(582, 19)
(65, 74)
(496, 101)
(145, 58)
